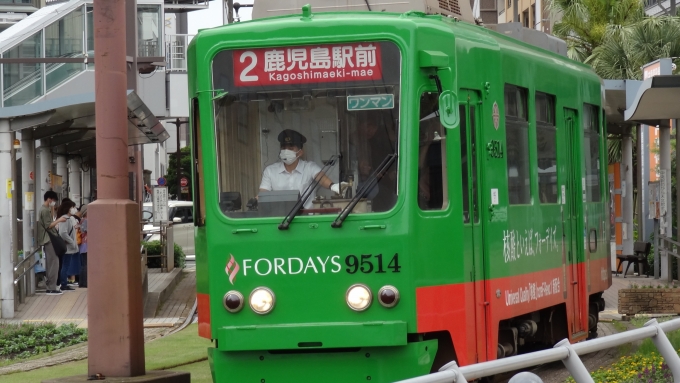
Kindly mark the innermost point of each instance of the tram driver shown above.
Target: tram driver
(292, 172)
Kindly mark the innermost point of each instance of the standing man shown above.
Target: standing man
(46, 221)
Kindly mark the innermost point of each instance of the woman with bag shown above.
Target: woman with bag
(67, 231)
(46, 232)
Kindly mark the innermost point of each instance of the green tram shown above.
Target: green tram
(456, 207)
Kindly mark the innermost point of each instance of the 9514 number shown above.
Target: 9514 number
(369, 263)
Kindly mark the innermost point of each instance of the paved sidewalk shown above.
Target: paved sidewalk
(71, 306)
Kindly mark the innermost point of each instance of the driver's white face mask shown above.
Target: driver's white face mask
(288, 156)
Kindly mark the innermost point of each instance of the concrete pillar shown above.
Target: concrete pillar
(45, 168)
(74, 181)
(62, 169)
(30, 197)
(627, 198)
(115, 321)
(6, 256)
(666, 222)
(86, 190)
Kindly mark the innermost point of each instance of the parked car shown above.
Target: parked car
(181, 213)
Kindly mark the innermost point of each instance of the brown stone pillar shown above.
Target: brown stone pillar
(116, 334)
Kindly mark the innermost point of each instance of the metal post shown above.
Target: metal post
(6, 266)
(515, 11)
(453, 367)
(665, 349)
(45, 168)
(665, 194)
(178, 163)
(657, 256)
(627, 192)
(573, 363)
(29, 197)
(115, 322)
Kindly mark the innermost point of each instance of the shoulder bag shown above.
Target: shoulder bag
(57, 242)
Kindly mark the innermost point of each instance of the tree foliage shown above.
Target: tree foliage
(184, 171)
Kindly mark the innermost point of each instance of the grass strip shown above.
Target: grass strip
(173, 351)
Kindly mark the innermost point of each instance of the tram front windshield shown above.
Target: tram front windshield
(282, 114)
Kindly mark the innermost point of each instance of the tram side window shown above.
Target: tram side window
(546, 147)
(591, 148)
(432, 183)
(517, 137)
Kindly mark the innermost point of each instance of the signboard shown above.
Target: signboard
(307, 64)
(160, 203)
(31, 176)
(29, 202)
(654, 211)
(184, 190)
(370, 102)
(161, 181)
(183, 182)
(663, 192)
(651, 70)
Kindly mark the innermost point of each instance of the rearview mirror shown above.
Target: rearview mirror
(448, 109)
(177, 220)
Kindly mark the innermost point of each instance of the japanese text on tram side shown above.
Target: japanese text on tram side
(295, 65)
(529, 243)
(532, 292)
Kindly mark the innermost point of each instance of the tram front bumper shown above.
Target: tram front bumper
(374, 364)
(312, 336)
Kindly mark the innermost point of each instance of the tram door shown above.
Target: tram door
(573, 242)
(470, 129)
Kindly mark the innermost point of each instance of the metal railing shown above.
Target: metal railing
(565, 352)
(176, 51)
(668, 246)
(21, 286)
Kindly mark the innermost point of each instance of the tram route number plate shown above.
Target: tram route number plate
(370, 102)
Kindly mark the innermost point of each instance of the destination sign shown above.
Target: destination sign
(307, 64)
(376, 101)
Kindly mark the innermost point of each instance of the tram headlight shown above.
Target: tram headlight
(388, 296)
(262, 300)
(358, 297)
(233, 301)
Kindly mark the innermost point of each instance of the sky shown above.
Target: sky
(212, 17)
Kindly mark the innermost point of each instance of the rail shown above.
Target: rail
(21, 286)
(668, 246)
(565, 352)
(176, 52)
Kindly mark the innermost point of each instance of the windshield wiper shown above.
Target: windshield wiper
(370, 183)
(306, 193)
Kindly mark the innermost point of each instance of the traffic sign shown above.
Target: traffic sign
(183, 182)
(184, 190)
(162, 181)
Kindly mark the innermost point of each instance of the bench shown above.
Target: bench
(639, 257)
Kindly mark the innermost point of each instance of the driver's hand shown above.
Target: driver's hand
(336, 188)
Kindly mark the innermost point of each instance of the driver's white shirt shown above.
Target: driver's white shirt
(276, 177)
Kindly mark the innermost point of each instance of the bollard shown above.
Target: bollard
(525, 377)
(665, 349)
(453, 367)
(574, 365)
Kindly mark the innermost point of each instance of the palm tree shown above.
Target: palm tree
(625, 49)
(585, 24)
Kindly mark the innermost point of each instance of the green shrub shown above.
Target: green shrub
(154, 248)
(25, 340)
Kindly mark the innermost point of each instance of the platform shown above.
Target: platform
(174, 293)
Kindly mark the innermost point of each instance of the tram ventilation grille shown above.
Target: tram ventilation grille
(450, 5)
